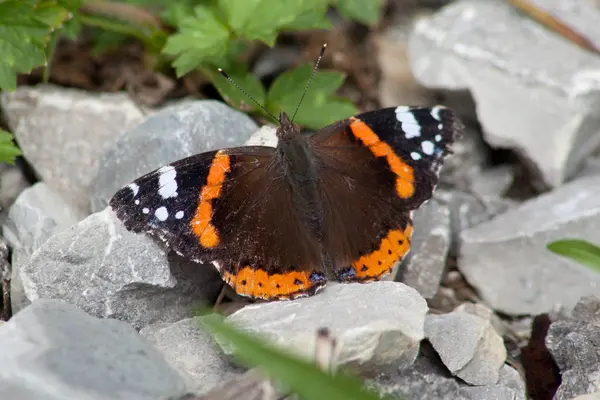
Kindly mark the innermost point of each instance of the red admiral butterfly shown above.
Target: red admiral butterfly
(276, 222)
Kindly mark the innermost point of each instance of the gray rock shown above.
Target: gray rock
(506, 258)
(467, 211)
(368, 335)
(110, 272)
(397, 84)
(424, 266)
(428, 379)
(192, 352)
(592, 396)
(265, 136)
(4, 280)
(249, 386)
(12, 183)
(492, 182)
(52, 350)
(591, 167)
(466, 161)
(37, 214)
(63, 133)
(511, 63)
(467, 344)
(169, 135)
(575, 346)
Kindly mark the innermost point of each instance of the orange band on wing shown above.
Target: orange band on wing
(392, 248)
(405, 182)
(258, 284)
(206, 232)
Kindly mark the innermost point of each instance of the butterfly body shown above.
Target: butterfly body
(279, 222)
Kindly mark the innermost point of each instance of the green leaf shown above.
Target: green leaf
(201, 36)
(234, 96)
(26, 29)
(318, 108)
(301, 376)
(578, 250)
(262, 19)
(8, 150)
(364, 11)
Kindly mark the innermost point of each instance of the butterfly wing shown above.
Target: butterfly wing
(377, 168)
(214, 206)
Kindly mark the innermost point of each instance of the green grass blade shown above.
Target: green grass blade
(578, 250)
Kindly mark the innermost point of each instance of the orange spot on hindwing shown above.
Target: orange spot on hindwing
(201, 223)
(373, 266)
(405, 187)
(258, 284)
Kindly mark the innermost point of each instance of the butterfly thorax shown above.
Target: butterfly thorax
(301, 171)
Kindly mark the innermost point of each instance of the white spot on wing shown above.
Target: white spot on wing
(161, 213)
(179, 214)
(134, 188)
(428, 147)
(440, 126)
(137, 202)
(167, 185)
(415, 155)
(438, 138)
(145, 210)
(409, 124)
(435, 113)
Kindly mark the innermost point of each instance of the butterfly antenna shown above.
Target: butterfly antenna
(247, 95)
(310, 79)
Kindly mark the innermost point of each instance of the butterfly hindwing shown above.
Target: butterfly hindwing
(378, 167)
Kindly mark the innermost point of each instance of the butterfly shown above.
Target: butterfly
(278, 222)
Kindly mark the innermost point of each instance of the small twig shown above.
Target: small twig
(553, 23)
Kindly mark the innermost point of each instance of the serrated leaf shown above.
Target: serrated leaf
(263, 19)
(200, 37)
(8, 150)
(578, 250)
(301, 376)
(318, 108)
(25, 31)
(313, 16)
(365, 11)
(234, 96)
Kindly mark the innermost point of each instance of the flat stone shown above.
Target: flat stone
(368, 336)
(110, 272)
(424, 266)
(428, 379)
(64, 132)
(575, 346)
(467, 344)
(192, 352)
(514, 68)
(53, 351)
(169, 135)
(506, 258)
(36, 215)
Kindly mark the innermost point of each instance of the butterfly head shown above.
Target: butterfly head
(287, 129)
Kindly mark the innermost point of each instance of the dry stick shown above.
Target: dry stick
(553, 23)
